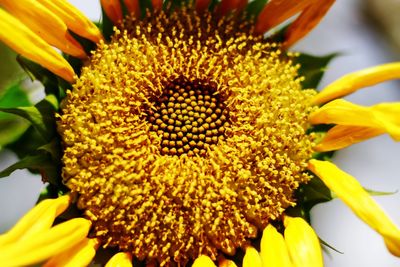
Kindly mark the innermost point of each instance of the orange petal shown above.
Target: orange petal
(341, 136)
(25, 42)
(75, 20)
(307, 20)
(349, 190)
(81, 254)
(113, 10)
(354, 81)
(121, 259)
(45, 24)
(227, 6)
(157, 4)
(383, 117)
(277, 11)
(133, 7)
(202, 5)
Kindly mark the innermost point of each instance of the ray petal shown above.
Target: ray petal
(157, 4)
(25, 42)
(251, 258)
(274, 252)
(45, 245)
(302, 242)
(74, 19)
(113, 10)
(382, 117)
(133, 7)
(202, 5)
(81, 254)
(349, 190)
(45, 24)
(226, 263)
(227, 6)
(354, 81)
(203, 261)
(277, 11)
(341, 136)
(121, 259)
(38, 219)
(307, 20)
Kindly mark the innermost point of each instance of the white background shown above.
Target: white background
(375, 162)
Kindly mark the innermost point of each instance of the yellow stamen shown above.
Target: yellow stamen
(38, 219)
(277, 11)
(274, 252)
(75, 20)
(382, 117)
(113, 10)
(37, 18)
(307, 20)
(302, 242)
(251, 258)
(121, 259)
(203, 261)
(354, 81)
(45, 245)
(25, 42)
(349, 190)
(79, 255)
(341, 136)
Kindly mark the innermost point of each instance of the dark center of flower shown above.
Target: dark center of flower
(190, 116)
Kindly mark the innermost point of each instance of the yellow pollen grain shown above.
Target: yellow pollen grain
(169, 171)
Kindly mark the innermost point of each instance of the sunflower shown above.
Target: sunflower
(176, 133)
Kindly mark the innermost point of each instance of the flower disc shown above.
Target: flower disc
(184, 135)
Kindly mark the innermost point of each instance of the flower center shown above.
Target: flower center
(190, 116)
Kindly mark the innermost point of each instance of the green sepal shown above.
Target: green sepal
(254, 8)
(326, 245)
(312, 68)
(12, 126)
(41, 116)
(145, 6)
(106, 25)
(27, 143)
(42, 162)
(172, 4)
(213, 5)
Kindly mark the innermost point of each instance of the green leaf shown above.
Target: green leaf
(41, 116)
(312, 68)
(254, 8)
(27, 143)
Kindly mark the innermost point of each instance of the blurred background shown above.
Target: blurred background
(366, 33)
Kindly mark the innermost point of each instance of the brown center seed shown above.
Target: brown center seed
(190, 116)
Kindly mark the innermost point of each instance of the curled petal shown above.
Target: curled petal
(274, 252)
(74, 19)
(81, 254)
(354, 81)
(203, 261)
(307, 20)
(302, 242)
(341, 136)
(45, 245)
(38, 18)
(277, 11)
(37, 220)
(25, 42)
(251, 258)
(383, 117)
(121, 259)
(113, 10)
(349, 190)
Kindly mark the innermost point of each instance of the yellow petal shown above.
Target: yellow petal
(133, 7)
(251, 258)
(357, 80)
(349, 190)
(203, 261)
(302, 242)
(25, 42)
(81, 254)
(382, 117)
(113, 10)
(74, 19)
(277, 11)
(274, 252)
(38, 219)
(226, 263)
(307, 20)
(45, 245)
(45, 24)
(121, 259)
(341, 136)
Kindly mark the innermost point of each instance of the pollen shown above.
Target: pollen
(185, 135)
